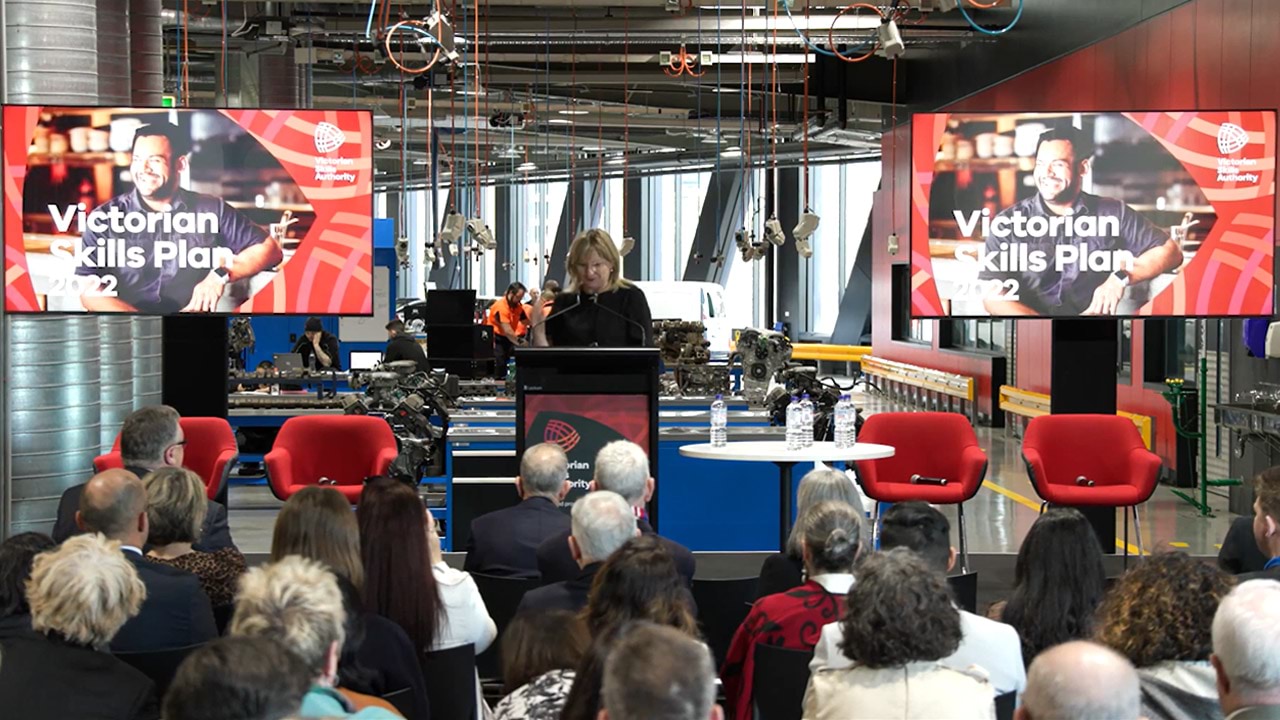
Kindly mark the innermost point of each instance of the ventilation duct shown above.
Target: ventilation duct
(51, 52)
(116, 368)
(113, 53)
(146, 53)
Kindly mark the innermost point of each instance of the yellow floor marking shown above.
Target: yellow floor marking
(1028, 502)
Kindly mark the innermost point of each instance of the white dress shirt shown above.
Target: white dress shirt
(466, 619)
(990, 645)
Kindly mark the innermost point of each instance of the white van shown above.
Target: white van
(694, 302)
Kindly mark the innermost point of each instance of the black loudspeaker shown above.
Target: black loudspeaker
(469, 342)
(450, 307)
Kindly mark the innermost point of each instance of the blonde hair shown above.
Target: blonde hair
(601, 243)
(295, 601)
(318, 523)
(176, 505)
(86, 590)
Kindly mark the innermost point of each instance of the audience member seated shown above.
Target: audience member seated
(377, 657)
(993, 646)
(505, 542)
(658, 672)
(238, 678)
(406, 579)
(80, 595)
(1160, 617)
(794, 619)
(176, 612)
(901, 623)
(602, 522)
(1077, 680)
(1058, 582)
(151, 438)
(1266, 523)
(1246, 651)
(540, 649)
(16, 555)
(1239, 553)
(297, 602)
(638, 582)
(176, 506)
(785, 570)
(621, 467)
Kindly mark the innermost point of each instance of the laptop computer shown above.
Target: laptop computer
(363, 360)
(288, 362)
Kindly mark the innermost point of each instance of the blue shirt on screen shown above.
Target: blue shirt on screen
(1273, 562)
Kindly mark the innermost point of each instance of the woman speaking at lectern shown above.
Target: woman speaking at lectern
(600, 308)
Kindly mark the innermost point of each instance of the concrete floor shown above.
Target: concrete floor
(997, 518)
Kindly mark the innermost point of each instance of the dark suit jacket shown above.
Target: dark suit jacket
(12, 626)
(214, 535)
(175, 614)
(556, 563)
(1272, 574)
(1240, 553)
(568, 595)
(780, 573)
(387, 654)
(505, 542)
(403, 347)
(49, 679)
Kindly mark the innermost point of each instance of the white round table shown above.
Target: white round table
(775, 451)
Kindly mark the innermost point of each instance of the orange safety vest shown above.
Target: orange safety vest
(516, 317)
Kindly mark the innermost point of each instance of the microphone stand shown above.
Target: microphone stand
(644, 334)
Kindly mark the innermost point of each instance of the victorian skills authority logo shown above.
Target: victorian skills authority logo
(561, 433)
(329, 137)
(1232, 139)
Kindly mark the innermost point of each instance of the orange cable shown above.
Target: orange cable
(626, 111)
(987, 6)
(804, 133)
(186, 59)
(832, 31)
(773, 100)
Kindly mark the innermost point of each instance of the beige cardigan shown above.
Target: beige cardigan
(916, 691)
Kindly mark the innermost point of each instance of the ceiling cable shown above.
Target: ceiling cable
(831, 32)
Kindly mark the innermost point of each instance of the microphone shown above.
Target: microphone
(922, 480)
(644, 333)
(1084, 481)
(558, 313)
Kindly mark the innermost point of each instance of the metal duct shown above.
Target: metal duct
(113, 53)
(146, 51)
(278, 81)
(51, 52)
(53, 398)
(148, 361)
(116, 363)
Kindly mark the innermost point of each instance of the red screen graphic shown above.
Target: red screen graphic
(162, 211)
(1163, 214)
(582, 424)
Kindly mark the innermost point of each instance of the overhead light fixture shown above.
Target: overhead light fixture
(773, 231)
(559, 121)
(733, 151)
(454, 223)
(481, 234)
(421, 162)
(574, 111)
(804, 230)
(891, 39)
(526, 167)
(594, 148)
(615, 160)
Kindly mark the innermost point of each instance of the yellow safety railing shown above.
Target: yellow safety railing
(834, 353)
(1033, 404)
(958, 386)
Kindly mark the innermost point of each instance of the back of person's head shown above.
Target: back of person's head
(1246, 653)
(398, 581)
(147, 433)
(622, 467)
(543, 470)
(550, 285)
(1162, 610)
(238, 678)
(656, 673)
(639, 582)
(1266, 499)
(16, 555)
(601, 522)
(112, 503)
(1058, 582)
(396, 326)
(900, 612)
(920, 528)
(819, 485)
(318, 523)
(1079, 679)
(176, 505)
(297, 602)
(832, 537)
(84, 591)
(537, 642)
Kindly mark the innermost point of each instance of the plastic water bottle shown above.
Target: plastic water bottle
(719, 422)
(806, 421)
(793, 425)
(846, 423)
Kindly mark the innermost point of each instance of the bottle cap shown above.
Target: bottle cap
(805, 396)
(719, 396)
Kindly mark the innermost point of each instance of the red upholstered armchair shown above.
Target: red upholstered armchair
(931, 446)
(343, 448)
(1090, 460)
(210, 452)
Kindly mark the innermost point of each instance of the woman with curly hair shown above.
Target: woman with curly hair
(1058, 581)
(830, 539)
(900, 624)
(1160, 616)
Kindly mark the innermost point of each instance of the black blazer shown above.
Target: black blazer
(1240, 553)
(389, 655)
(556, 563)
(568, 595)
(505, 542)
(618, 318)
(48, 679)
(175, 614)
(12, 626)
(1272, 574)
(403, 347)
(214, 534)
(780, 573)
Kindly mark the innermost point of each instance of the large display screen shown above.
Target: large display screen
(581, 425)
(1161, 214)
(161, 211)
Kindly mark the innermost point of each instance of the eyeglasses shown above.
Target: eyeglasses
(599, 266)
